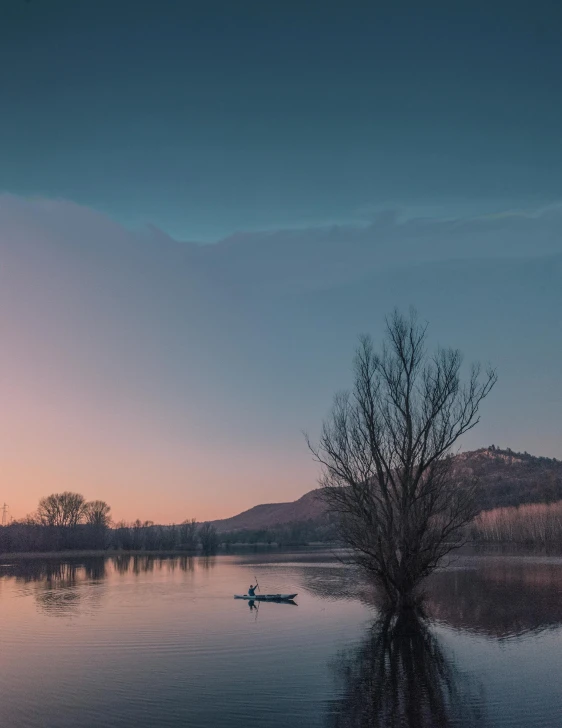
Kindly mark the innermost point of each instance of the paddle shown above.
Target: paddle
(257, 585)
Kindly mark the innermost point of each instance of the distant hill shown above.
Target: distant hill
(510, 478)
(308, 508)
(506, 478)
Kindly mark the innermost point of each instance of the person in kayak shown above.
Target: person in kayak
(252, 591)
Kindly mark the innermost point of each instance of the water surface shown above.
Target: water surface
(142, 641)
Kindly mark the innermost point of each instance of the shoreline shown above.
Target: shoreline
(476, 547)
(103, 553)
(90, 553)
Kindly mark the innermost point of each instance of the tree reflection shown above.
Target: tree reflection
(186, 563)
(121, 563)
(58, 594)
(500, 598)
(54, 584)
(49, 571)
(95, 569)
(207, 562)
(67, 588)
(142, 564)
(496, 597)
(401, 677)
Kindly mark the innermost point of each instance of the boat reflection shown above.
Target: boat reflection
(255, 603)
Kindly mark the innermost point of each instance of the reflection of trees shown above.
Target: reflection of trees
(186, 563)
(207, 562)
(401, 677)
(125, 563)
(54, 584)
(35, 570)
(500, 598)
(121, 563)
(95, 569)
(58, 586)
(58, 594)
(64, 588)
(143, 564)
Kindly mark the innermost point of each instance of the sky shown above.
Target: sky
(202, 205)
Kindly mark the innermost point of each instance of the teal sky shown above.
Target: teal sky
(206, 118)
(337, 160)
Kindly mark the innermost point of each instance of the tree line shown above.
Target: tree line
(297, 533)
(57, 530)
(67, 521)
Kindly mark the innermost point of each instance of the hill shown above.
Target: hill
(308, 508)
(506, 478)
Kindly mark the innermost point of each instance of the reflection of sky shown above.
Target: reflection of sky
(519, 677)
(166, 643)
(171, 645)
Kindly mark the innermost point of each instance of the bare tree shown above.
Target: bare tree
(97, 514)
(97, 517)
(386, 456)
(209, 539)
(61, 509)
(188, 535)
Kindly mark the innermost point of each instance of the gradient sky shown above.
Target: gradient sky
(335, 159)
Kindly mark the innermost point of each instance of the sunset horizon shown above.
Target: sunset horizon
(124, 378)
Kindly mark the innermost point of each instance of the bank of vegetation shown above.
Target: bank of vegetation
(532, 524)
(67, 522)
(189, 537)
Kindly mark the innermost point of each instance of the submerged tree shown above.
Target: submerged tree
(386, 456)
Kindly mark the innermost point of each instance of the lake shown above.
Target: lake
(142, 641)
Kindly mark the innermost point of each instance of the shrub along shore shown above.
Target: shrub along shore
(537, 525)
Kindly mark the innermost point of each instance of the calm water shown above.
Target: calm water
(161, 642)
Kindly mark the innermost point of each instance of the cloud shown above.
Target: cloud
(174, 373)
(317, 257)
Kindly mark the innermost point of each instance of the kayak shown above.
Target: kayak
(267, 597)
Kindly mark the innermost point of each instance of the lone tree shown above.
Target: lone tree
(61, 509)
(386, 455)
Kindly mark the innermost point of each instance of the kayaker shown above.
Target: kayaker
(252, 591)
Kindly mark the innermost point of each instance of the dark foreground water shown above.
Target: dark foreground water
(161, 642)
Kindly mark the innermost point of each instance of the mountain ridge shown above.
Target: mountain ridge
(507, 478)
